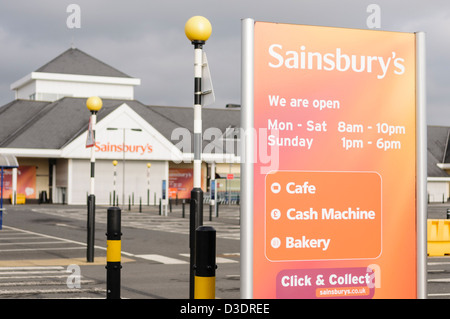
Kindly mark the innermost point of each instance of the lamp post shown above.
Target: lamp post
(148, 183)
(198, 30)
(94, 104)
(114, 183)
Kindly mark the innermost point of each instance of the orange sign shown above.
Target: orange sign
(303, 204)
(181, 180)
(334, 208)
(26, 181)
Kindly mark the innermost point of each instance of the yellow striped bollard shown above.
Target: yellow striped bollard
(113, 253)
(205, 263)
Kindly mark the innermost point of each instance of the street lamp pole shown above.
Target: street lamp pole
(94, 104)
(114, 184)
(198, 30)
(148, 183)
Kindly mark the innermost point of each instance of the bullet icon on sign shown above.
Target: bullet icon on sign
(275, 188)
(275, 214)
(275, 242)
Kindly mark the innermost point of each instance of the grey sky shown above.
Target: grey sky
(145, 39)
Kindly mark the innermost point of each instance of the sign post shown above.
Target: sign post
(339, 204)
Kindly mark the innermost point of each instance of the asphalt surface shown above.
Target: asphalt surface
(38, 243)
(43, 253)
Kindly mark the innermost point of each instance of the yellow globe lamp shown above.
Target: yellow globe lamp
(94, 103)
(149, 165)
(198, 28)
(114, 163)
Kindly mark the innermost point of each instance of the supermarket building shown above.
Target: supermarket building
(45, 128)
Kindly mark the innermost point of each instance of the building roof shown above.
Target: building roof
(75, 61)
(53, 125)
(27, 124)
(15, 115)
(438, 149)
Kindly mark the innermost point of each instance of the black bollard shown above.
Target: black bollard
(90, 228)
(195, 220)
(205, 262)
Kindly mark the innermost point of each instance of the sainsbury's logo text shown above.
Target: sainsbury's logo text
(338, 60)
(119, 148)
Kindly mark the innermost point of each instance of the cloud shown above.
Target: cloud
(145, 39)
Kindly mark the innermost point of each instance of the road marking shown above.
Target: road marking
(32, 272)
(26, 272)
(35, 249)
(173, 261)
(32, 243)
(51, 262)
(42, 283)
(33, 268)
(438, 263)
(162, 259)
(33, 277)
(134, 219)
(46, 236)
(30, 280)
(439, 280)
(10, 238)
(219, 260)
(51, 291)
(439, 295)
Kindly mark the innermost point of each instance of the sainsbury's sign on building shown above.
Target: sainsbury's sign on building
(108, 147)
(122, 133)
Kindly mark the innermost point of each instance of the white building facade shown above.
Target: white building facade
(45, 127)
